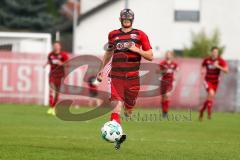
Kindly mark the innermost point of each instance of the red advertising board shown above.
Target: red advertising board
(24, 80)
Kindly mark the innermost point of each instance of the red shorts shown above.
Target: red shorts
(55, 82)
(166, 87)
(125, 90)
(211, 85)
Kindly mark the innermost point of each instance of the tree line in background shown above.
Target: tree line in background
(202, 43)
(34, 15)
(44, 15)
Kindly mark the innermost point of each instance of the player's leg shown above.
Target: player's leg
(202, 109)
(56, 98)
(130, 96)
(116, 98)
(54, 94)
(117, 92)
(208, 102)
(51, 92)
(131, 89)
(128, 109)
(210, 98)
(51, 96)
(115, 115)
(52, 101)
(57, 87)
(165, 90)
(165, 105)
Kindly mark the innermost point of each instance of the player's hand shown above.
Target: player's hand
(133, 48)
(60, 63)
(216, 64)
(100, 77)
(45, 65)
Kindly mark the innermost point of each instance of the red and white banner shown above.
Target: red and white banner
(24, 80)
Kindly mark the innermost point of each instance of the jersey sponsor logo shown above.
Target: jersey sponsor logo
(124, 45)
(211, 66)
(55, 61)
(133, 36)
(170, 70)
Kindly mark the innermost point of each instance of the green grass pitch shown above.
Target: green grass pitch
(28, 133)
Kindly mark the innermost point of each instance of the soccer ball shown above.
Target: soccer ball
(111, 131)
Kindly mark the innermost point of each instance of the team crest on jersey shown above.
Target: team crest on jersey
(133, 36)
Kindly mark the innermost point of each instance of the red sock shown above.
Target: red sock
(205, 104)
(165, 106)
(116, 117)
(55, 99)
(51, 101)
(209, 106)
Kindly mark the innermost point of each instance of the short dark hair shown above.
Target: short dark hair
(214, 47)
(57, 42)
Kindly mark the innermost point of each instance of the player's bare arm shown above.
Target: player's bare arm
(161, 70)
(106, 58)
(148, 55)
(203, 71)
(45, 65)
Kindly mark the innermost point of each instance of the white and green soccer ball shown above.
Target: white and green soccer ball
(111, 131)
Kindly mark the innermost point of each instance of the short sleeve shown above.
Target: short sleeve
(48, 58)
(204, 63)
(145, 42)
(161, 66)
(65, 56)
(222, 63)
(110, 39)
(110, 45)
(176, 67)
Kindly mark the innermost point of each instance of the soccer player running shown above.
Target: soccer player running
(211, 69)
(56, 59)
(126, 48)
(168, 67)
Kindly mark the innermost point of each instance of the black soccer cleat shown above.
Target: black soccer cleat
(165, 115)
(121, 140)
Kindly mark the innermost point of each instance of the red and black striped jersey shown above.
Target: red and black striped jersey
(168, 70)
(213, 72)
(54, 60)
(125, 62)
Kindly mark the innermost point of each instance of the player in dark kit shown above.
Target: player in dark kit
(126, 48)
(211, 69)
(167, 67)
(56, 58)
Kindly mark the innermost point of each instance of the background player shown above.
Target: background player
(56, 58)
(167, 67)
(211, 69)
(126, 48)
